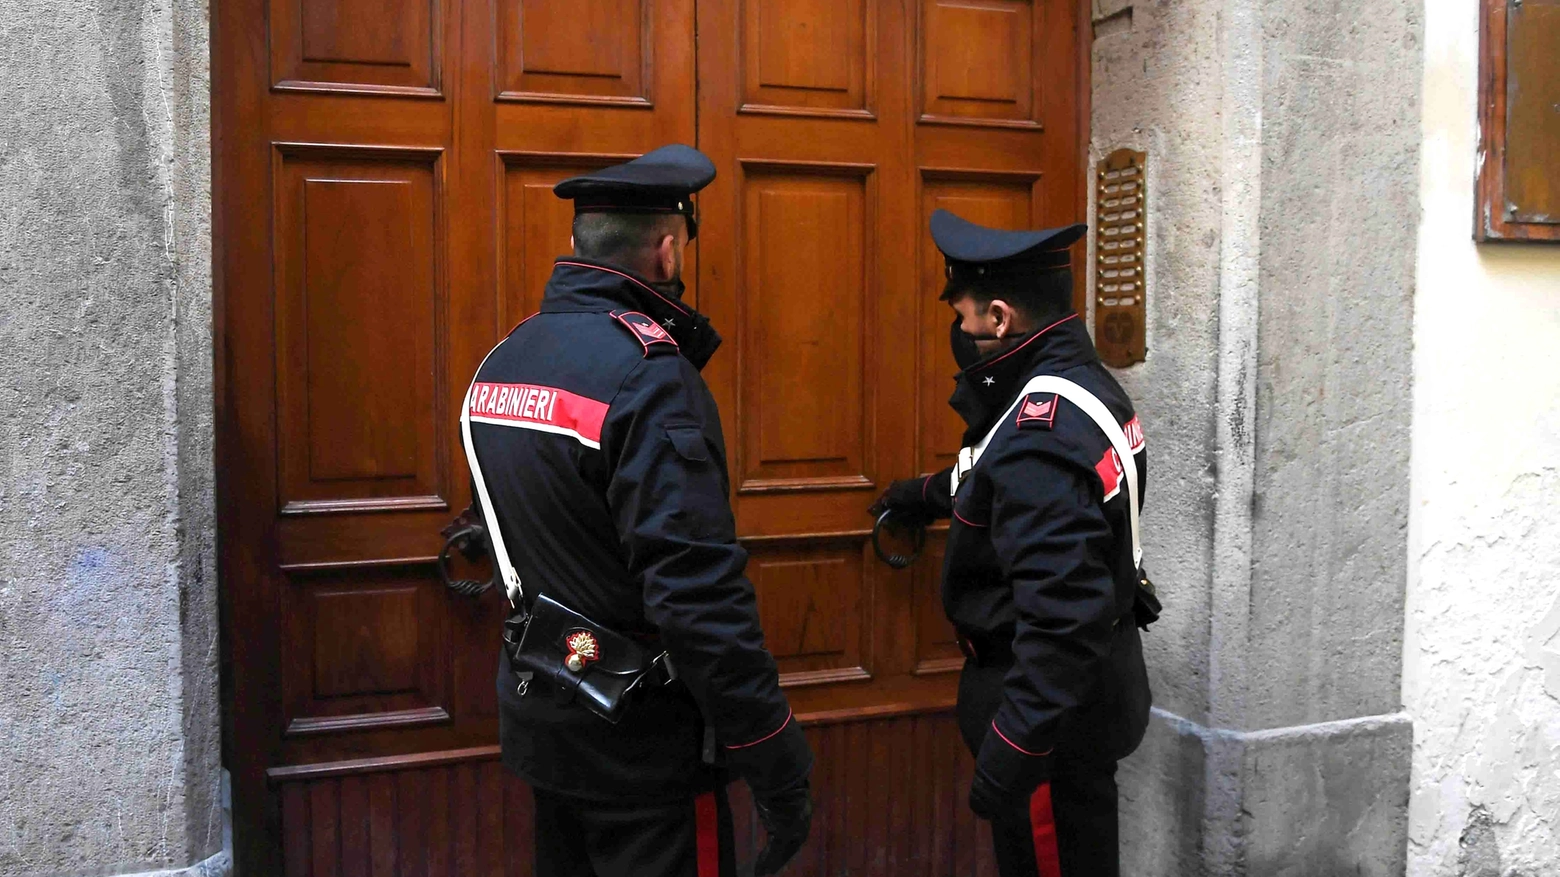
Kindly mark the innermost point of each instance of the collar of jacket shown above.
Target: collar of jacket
(985, 390)
(586, 285)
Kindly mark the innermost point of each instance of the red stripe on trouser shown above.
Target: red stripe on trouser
(707, 834)
(1042, 824)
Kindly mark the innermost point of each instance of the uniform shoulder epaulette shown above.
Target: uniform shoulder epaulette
(1038, 411)
(655, 339)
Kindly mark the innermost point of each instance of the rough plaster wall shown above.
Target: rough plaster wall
(108, 731)
(1482, 651)
(1156, 88)
(1340, 151)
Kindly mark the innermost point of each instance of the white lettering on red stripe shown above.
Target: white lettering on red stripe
(1135, 438)
(544, 409)
(1110, 472)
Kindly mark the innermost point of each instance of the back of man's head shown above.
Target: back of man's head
(628, 240)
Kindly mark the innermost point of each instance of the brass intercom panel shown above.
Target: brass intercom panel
(1120, 281)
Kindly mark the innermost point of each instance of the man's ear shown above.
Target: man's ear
(1002, 315)
(666, 257)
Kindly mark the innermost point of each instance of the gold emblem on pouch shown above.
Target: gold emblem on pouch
(582, 650)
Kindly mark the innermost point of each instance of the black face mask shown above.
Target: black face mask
(965, 353)
(672, 289)
(698, 340)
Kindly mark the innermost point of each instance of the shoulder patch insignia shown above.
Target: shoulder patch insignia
(1037, 411)
(648, 332)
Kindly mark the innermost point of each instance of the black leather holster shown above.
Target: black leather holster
(581, 660)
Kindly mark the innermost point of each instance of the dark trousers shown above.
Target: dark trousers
(1069, 828)
(580, 838)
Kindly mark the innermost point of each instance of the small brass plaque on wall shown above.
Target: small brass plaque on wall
(1120, 280)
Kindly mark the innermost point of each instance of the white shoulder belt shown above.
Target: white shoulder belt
(489, 515)
(1090, 405)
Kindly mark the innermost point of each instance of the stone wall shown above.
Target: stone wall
(109, 755)
(1282, 141)
(1482, 654)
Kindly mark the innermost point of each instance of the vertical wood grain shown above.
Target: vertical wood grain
(324, 823)
(888, 793)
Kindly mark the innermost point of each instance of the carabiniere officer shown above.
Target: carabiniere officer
(1040, 579)
(605, 461)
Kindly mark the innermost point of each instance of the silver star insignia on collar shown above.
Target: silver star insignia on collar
(669, 322)
(990, 381)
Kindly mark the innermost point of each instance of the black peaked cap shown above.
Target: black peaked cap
(977, 255)
(656, 182)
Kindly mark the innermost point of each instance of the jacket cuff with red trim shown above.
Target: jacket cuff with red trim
(1017, 772)
(776, 761)
(936, 493)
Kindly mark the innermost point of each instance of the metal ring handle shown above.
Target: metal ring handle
(463, 587)
(896, 561)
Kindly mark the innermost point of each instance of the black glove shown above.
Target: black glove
(911, 501)
(787, 819)
(777, 769)
(474, 545)
(1005, 778)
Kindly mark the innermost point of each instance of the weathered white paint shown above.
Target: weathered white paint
(1481, 674)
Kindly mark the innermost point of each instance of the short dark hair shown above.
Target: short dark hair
(622, 238)
(1040, 296)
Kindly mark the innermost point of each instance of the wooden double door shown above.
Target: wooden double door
(384, 214)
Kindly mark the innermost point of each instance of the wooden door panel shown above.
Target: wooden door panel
(801, 422)
(359, 270)
(445, 817)
(372, 651)
(812, 597)
(879, 811)
(978, 64)
(391, 46)
(859, 285)
(574, 51)
(808, 57)
(807, 255)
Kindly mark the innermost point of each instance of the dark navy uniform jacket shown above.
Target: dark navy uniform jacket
(1039, 556)
(603, 455)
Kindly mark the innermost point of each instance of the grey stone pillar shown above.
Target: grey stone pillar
(109, 721)
(1283, 176)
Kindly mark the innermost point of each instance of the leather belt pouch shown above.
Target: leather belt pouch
(581, 659)
(1145, 602)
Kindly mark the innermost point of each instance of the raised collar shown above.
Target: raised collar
(586, 285)
(985, 389)
(579, 284)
